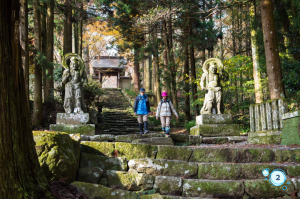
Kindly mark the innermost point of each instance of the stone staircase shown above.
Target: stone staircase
(128, 170)
(117, 114)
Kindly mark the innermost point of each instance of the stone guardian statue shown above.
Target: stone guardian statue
(73, 78)
(211, 79)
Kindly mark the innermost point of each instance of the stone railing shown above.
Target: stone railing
(267, 116)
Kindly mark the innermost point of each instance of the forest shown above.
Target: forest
(258, 42)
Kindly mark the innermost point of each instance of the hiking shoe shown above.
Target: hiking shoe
(146, 132)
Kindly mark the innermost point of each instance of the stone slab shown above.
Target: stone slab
(135, 151)
(179, 137)
(168, 185)
(72, 118)
(291, 131)
(131, 137)
(96, 191)
(213, 188)
(215, 130)
(213, 119)
(90, 174)
(160, 167)
(98, 148)
(155, 141)
(83, 129)
(252, 118)
(195, 139)
(269, 116)
(291, 115)
(174, 153)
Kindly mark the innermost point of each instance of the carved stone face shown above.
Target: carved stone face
(74, 64)
(213, 68)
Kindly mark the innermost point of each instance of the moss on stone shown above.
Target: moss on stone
(167, 185)
(213, 155)
(98, 148)
(214, 130)
(56, 155)
(96, 191)
(264, 140)
(219, 171)
(246, 155)
(264, 189)
(216, 189)
(254, 170)
(290, 155)
(291, 131)
(293, 170)
(131, 137)
(135, 151)
(83, 129)
(152, 196)
(174, 153)
(180, 137)
(104, 162)
(90, 174)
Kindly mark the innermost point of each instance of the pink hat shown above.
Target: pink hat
(164, 94)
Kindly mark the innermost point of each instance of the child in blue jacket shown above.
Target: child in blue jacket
(142, 109)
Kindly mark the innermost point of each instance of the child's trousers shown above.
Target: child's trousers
(165, 123)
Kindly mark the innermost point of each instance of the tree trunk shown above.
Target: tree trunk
(156, 65)
(255, 56)
(276, 86)
(21, 175)
(38, 78)
(49, 91)
(136, 75)
(186, 75)
(24, 44)
(147, 78)
(80, 32)
(76, 37)
(67, 48)
(44, 43)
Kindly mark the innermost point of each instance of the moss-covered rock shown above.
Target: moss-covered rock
(131, 180)
(98, 148)
(56, 155)
(83, 129)
(104, 162)
(152, 196)
(291, 131)
(254, 170)
(168, 185)
(90, 174)
(194, 139)
(275, 139)
(174, 153)
(213, 188)
(219, 171)
(290, 155)
(213, 119)
(154, 141)
(103, 181)
(159, 167)
(213, 155)
(215, 130)
(135, 151)
(264, 189)
(76, 145)
(246, 155)
(214, 140)
(293, 170)
(179, 137)
(96, 191)
(129, 138)
(103, 137)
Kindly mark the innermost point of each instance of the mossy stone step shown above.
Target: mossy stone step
(216, 130)
(223, 140)
(129, 138)
(155, 141)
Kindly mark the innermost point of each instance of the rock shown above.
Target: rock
(168, 185)
(254, 170)
(83, 129)
(85, 137)
(264, 137)
(98, 148)
(131, 180)
(72, 118)
(76, 145)
(152, 196)
(135, 151)
(103, 137)
(213, 119)
(213, 188)
(213, 155)
(129, 138)
(155, 141)
(214, 140)
(181, 197)
(56, 155)
(293, 170)
(164, 167)
(104, 162)
(215, 130)
(219, 171)
(90, 174)
(290, 155)
(96, 191)
(291, 130)
(264, 189)
(195, 139)
(103, 181)
(174, 153)
(180, 137)
(245, 155)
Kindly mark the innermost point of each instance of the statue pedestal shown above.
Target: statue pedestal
(215, 125)
(73, 123)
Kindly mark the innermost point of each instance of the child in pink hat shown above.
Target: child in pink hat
(164, 111)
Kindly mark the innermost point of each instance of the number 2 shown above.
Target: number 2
(278, 177)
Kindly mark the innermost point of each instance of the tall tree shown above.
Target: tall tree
(49, 90)
(21, 175)
(136, 68)
(186, 72)
(67, 46)
(255, 55)
(38, 97)
(24, 43)
(156, 64)
(44, 42)
(271, 51)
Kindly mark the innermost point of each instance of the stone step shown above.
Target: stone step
(155, 141)
(126, 133)
(131, 137)
(223, 140)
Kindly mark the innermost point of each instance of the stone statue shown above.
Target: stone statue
(211, 83)
(73, 78)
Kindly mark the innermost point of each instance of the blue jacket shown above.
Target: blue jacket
(142, 105)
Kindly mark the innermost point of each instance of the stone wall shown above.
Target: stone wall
(291, 128)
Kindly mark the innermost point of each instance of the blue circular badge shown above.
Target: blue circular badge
(277, 177)
(265, 172)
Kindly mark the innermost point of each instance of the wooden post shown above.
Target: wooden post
(118, 79)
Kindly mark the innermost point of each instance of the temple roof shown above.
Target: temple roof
(105, 62)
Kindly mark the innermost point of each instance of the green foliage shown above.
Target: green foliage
(92, 91)
(131, 93)
(189, 125)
